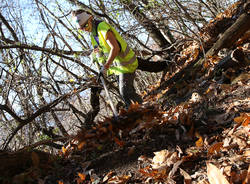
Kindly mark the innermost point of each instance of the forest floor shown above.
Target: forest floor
(194, 129)
(206, 140)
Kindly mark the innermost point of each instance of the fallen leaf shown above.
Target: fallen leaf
(142, 158)
(160, 156)
(226, 142)
(172, 159)
(247, 155)
(160, 159)
(108, 176)
(117, 141)
(119, 179)
(81, 145)
(180, 152)
(64, 150)
(204, 181)
(199, 143)
(215, 175)
(243, 119)
(215, 148)
(227, 170)
(236, 158)
(82, 177)
(246, 122)
(239, 119)
(174, 169)
(187, 177)
(240, 142)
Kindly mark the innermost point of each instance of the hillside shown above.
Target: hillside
(193, 126)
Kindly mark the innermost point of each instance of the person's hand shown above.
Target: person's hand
(106, 66)
(96, 50)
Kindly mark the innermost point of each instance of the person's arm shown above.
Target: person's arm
(114, 48)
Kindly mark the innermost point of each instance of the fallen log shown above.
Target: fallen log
(230, 36)
(227, 40)
(236, 58)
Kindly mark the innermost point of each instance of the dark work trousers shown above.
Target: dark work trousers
(127, 90)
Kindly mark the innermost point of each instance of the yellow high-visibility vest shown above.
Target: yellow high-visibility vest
(126, 61)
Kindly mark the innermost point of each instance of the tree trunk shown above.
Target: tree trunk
(95, 103)
(154, 32)
(236, 58)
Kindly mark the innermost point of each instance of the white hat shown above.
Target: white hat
(81, 19)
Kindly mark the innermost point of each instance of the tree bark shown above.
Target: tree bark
(236, 58)
(95, 103)
(59, 124)
(151, 28)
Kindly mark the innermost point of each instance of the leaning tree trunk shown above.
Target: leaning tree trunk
(151, 28)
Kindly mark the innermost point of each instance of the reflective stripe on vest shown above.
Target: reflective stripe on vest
(125, 53)
(125, 63)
